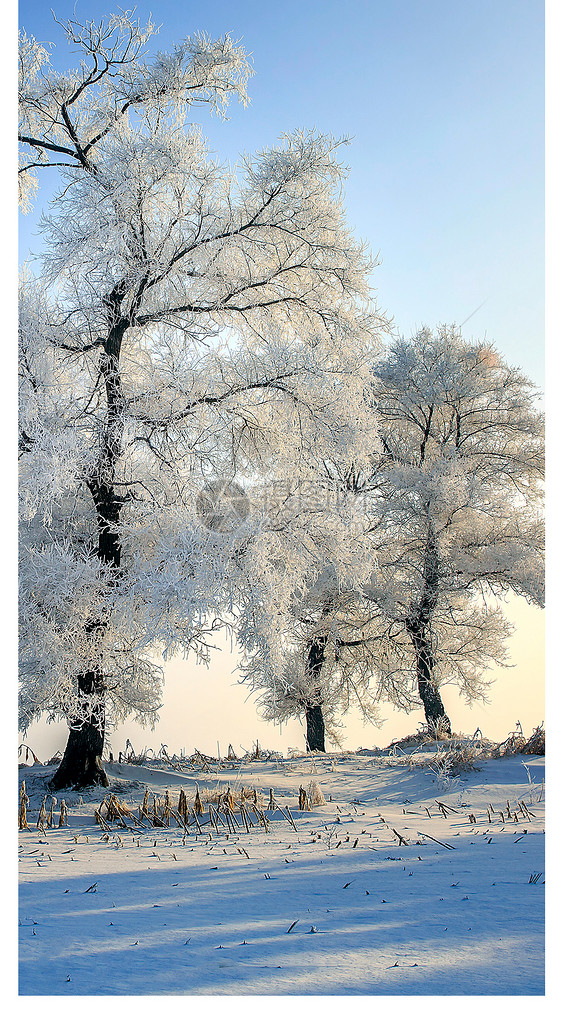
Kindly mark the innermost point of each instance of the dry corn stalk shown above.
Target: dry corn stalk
(28, 751)
(215, 817)
(99, 820)
(181, 820)
(22, 816)
(289, 816)
(198, 805)
(220, 817)
(303, 800)
(42, 818)
(155, 817)
(231, 820)
(262, 819)
(63, 818)
(116, 810)
(144, 806)
(245, 818)
(183, 808)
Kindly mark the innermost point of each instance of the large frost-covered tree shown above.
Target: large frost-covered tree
(188, 321)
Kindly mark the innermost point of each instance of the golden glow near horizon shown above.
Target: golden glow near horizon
(205, 707)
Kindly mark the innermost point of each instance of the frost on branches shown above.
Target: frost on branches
(189, 321)
(456, 496)
(311, 654)
(448, 495)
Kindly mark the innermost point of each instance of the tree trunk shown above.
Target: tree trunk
(313, 707)
(435, 715)
(81, 764)
(314, 728)
(418, 627)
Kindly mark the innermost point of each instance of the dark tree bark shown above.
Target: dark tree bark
(435, 714)
(313, 707)
(81, 764)
(314, 727)
(418, 627)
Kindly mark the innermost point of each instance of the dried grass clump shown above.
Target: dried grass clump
(457, 760)
(311, 796)
(448, 759)
(232, 799)
(445, 763)
(258, 753)
(516, 743)
(423, 737)
(536, 742)
(204, 762)
(416, 739)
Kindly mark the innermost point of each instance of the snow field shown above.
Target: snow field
(341, 906)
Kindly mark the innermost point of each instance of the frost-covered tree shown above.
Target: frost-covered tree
(66, 119)
(300, 666)
(327, 666)
(456, 497)
(448, 520)
(318, 659)
(188, 320)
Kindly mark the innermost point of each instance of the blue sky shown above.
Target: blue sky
(444, 103)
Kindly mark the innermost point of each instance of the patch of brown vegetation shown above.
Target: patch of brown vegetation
(516, 743)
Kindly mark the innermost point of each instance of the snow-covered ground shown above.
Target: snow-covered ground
(379, 891)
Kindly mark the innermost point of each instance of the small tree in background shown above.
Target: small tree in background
(326, 667)
(456, 495)
(312, 655)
